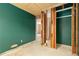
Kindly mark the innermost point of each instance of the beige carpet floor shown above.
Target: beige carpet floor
(35, 49)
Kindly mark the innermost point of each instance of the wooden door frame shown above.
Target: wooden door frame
(53, 18)
(53, 28)
(74, 48)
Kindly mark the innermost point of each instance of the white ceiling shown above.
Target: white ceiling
(36, 8)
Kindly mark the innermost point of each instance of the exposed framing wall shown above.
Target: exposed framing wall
(43, 27)
(74, 28)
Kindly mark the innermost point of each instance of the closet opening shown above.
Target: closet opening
(63, 24)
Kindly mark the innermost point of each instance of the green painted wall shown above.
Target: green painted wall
(64, 31)
(15, 25)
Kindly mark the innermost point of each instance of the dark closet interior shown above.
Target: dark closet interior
(63, 24)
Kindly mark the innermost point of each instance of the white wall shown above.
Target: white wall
(48, 23)
(38, 29)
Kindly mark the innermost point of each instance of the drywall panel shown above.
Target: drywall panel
(64, 31)
(16, 27)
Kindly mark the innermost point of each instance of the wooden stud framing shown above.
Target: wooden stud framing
(76, 27)
(45, 25)
(43, 28)
(42, 31)
(53, 28)
(73, 31)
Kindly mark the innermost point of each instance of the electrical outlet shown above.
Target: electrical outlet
(14, 45)
(21, 41)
